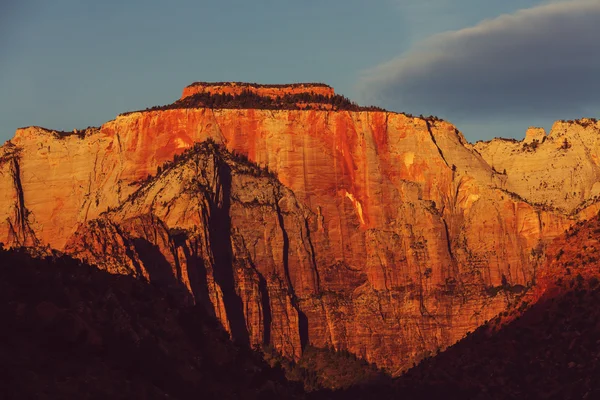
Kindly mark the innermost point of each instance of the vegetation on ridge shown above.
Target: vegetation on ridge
(209, 146)
(585, 122)
(537, 206)
(80, 133)
(251, 100)
(327, 369)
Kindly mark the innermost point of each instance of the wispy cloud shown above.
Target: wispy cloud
(434, 16)
(538, 62)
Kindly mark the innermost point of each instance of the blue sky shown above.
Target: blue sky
(68, 64)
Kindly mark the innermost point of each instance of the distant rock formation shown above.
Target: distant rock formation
(236, 88)
(560, 170)
(534, 134)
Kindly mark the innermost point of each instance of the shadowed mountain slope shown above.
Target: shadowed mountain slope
(545, 347)
(72, 331)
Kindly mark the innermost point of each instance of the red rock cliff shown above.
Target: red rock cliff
(383, 238)
(236, 88)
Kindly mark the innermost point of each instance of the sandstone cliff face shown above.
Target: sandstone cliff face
(561, 169)
(545, 346)
(383, 235)
(219, 229)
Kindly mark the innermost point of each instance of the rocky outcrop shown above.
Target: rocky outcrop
(382, 234)
(534, 134)
(222, 231)
(273, 91)
(560, 170)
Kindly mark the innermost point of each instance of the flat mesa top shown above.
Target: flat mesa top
(261, 85)
(236, 88)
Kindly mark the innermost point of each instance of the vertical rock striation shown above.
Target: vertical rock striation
(383, 234)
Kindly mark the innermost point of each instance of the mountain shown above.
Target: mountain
(547, 346)
(305, 219)
(560, 170)
(72, 331)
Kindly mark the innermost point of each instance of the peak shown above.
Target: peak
(584, 122)
(267, 90)
(205, 150)
(580, 121)
(583, 128)
(535, 134)
(37, 131)
(28, 132)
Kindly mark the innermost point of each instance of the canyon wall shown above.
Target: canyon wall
(383, 234)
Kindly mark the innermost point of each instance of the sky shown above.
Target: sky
(491, 67)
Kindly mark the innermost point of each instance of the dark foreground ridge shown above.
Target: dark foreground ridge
(551, 351)
(546, 347)
(73, 331)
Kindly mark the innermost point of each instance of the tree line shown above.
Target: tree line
(250, 100)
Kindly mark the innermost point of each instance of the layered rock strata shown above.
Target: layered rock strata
(383, 234)
(273, 91)
(559, 170)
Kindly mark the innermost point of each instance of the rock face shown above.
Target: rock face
(560, 170)
(534, 134)
(383, 234)
(220, 229)
(236, 88)
(545, 346)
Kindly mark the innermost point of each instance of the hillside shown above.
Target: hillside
(72, 331)
(546, 347)
(69, 326)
